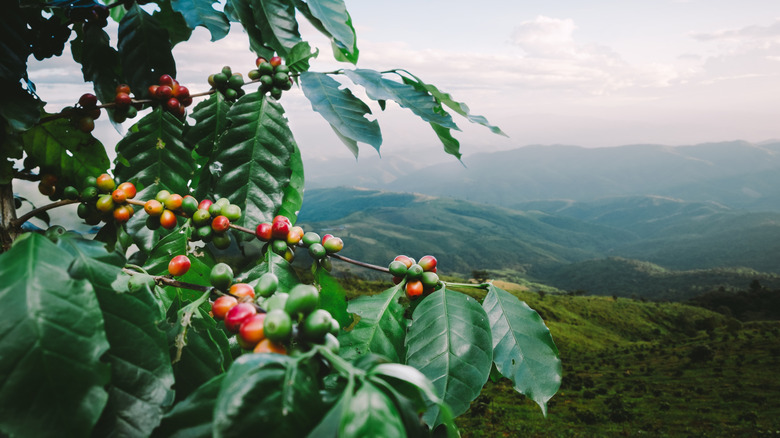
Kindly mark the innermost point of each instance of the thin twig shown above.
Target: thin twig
(32, 213)
(359, 263)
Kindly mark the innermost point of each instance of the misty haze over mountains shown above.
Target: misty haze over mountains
(737, 174)
(666, 221)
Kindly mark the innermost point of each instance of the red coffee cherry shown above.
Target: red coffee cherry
(179, 265)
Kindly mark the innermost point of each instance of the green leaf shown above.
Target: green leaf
(141, 373)
(371, 413)
(144, 49)
(18, 106)
(242, 11)
(379, 330)
(420, 103)
(451, 144)
(169, 246)
(202, 13)
(211, 122)
(449, 342)
(251, 165)
(14, 49)
(275, 264)
(336, 20)
(446, 99)
(65, 150)
(174, 22)
(299, 57)
(99, 61)
(333, 297)
(345, 112)
(156, 154)
(192, 416)
(293, 192)
(277, 24)
(206, 353)
(268, 392)
(51, 342)
(523, 348)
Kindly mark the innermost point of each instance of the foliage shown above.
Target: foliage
(100, 339)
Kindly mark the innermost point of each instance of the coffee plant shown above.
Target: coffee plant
(183, 315)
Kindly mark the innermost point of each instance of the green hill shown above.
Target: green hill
(642, 369)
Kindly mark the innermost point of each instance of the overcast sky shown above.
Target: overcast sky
(591, 73)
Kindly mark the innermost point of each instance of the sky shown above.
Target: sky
(596, 74)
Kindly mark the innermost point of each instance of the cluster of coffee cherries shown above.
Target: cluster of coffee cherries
(83, 115)
(274, 77)
(420, 277)
(282, 239)
(47, 36)
(212, 221)
(173, 97)
(102, 199)
(123, 104)
(95, 15)
(228, 83)
(292, 320)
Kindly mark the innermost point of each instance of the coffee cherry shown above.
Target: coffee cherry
(236, 81)
(173, 202)
(397, 268)
(70, 193)
(333, 245)
(264, 232)
(408, 261)
(168, 219)
(316, 325)
(205, 204)
(153, 207)
(275, 61)
(123, 88)
(105, 203)
(119, 196)
(179, 265)
(46, 189)
(251, 330)
(260, 60)
(279, 246)
(429, 279)
(220, 224)
(123, 213)
(86, 124)
(166, 80)
(128, 188)
(242, 290)
(268, 346)
(310, 237)
(162, 195)
(303, 299)
(173, 104)
(414, 272)
(237, 315)
(278, 325)
(317, 251)
(294, 235)
(267, 284)
(205, 233)
(414, 289)
(428, 263)
(88, 100)
(201, 217)
(164, 92)
(279, 229)
(153, 222)
(221, 276)
(232, 212)
(105, 183)
(123, 100)
(182, 92)
(254, 74)
(221, 240)
(222, 305)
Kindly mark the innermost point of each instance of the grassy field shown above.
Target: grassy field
(643, 369)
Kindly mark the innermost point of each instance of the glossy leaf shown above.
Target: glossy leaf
(20, 108)
(371, 413)
(523, 349)
(277, 24)
(242, 11)
(293, 192)
(206, 353)
(251, 165)
(144, 49)
(275, 264)
(99, 61)
(174, 22)
(192, 416)
(14, 50)
(169, 246)
(449, 342)
(332, 297)
(345, 112)
(153, 153)
(446, 99)
(451, 144)
(202, 13)
(211, 121)
(51, 342)
(336, 20)
(299, 57)
(72, 154)
(380, 328)
(267, 392)
(420, 103)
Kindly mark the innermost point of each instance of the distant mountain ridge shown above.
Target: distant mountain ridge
(737, 174)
